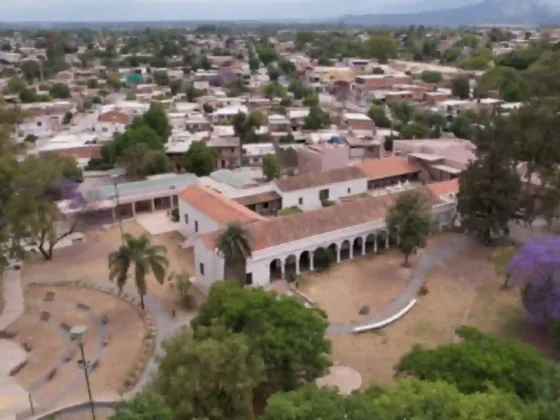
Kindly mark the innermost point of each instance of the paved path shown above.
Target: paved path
(13, 298)
(430, 258)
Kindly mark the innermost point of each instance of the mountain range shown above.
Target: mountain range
(488, 12)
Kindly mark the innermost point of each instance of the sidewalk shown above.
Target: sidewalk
(13, 298)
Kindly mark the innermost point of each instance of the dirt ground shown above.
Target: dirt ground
(88, 261)
(126, 334)
(373, 281)
(464, 290)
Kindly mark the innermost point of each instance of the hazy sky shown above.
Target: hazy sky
(118, 10)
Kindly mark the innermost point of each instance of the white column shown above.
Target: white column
(351, 250)
(282, 270)
(153, 201)
(297, 266)
(375, 244)
(398, 240)
(364, 245)
(311, 257)
(114, 213)
(387, 240)
(134, 209)
(338, 254)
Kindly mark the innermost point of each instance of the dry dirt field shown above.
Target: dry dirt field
(88, 261)
(462, 290)
(373, 280)
(125, 329)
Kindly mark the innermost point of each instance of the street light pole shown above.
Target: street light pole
(77, 333)
(117, 208)
(84, 362)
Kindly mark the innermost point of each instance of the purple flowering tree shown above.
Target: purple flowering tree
(536, 268)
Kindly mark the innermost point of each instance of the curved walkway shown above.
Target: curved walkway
(430, 258)
(166, 325)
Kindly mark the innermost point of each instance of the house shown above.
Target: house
(310, 191)
(265, 203)
(393, 170)
(283, 247)
(112, 123)
(441, 159)
(322, 157)
(357, 121)
(228, 149)
(254, 153)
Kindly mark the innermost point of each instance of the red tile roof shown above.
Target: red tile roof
(318, 179)
(216, 206)
(387, 167)
(285, 229)
(439, 189)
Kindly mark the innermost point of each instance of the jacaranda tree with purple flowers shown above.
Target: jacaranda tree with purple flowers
(536, 268)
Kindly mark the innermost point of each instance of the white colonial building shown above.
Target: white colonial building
(284, 246)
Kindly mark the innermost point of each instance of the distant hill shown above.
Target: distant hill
(495, 12)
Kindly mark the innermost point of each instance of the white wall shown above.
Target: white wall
(311, 199)
(205, 224)
(213, 266)
(106, 130)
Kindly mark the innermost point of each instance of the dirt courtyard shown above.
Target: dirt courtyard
(88, 261)
(119, 343)
(374, 280)
(463, 290)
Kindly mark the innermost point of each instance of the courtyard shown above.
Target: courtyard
(462, 290)
(117, 344)
(87, 261)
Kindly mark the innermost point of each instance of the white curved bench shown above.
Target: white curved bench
(381, 324)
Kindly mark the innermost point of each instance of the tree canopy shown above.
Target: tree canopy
(272, 325)
(381, 47)
(200, 159)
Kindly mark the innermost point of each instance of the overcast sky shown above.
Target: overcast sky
(132, 10)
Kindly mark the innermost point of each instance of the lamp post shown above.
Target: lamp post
(77, 333)
(114, 177)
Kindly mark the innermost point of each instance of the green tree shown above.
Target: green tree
(431, 76)
(40, 182)
(381, 47)
(480, 362)
(31, 70)
(410, 219)
(274, 90)
(234, 245)
(316, 119)
(161, 78)
(299, 89)
(477, 62)
(288, 336)
(209, 374)
(27, 96)
(490, 186)
(287, 67)
(16, 85)
(207, 108)
(506, 80)
(403, 111)
(266, 54)
(92, 84)
(200, 159)
(379, 116)
(311, 100)
(462, 125)
(144, 406)
(273, 73)
(67, 118)
(156, 119)
(138, 133)
(271, 167)
(145, 257)
(414, 130)
(460, 87)
(60, 91)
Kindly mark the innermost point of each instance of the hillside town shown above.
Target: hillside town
(181, 208)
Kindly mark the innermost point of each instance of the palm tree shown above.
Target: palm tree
(145, 257)
(234, 244)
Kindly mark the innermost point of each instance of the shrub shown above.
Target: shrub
(323, 258)
(175, 215)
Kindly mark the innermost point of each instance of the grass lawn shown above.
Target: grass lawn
(463, 290)
(88, 261)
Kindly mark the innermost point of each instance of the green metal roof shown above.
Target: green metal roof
(229, 177)
(138, 187)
